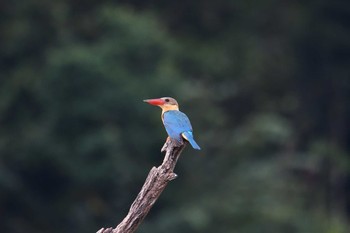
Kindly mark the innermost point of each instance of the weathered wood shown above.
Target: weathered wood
(154, 185)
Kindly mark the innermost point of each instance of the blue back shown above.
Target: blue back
(175, 123)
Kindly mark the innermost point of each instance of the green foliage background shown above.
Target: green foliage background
(265, 84)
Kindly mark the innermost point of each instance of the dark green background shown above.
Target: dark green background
(266, 85)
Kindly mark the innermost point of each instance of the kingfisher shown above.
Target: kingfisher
(176, 123)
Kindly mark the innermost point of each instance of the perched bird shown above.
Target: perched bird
(176, 123)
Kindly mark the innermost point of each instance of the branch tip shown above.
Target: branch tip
(172, 176)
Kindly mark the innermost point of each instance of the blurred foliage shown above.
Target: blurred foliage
(266, 85)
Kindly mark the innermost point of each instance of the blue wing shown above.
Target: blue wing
(188, 135)
(175, 123)
(178, 125)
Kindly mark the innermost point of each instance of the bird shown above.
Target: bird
(176, 123)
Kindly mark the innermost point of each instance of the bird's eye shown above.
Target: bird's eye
(166, 100)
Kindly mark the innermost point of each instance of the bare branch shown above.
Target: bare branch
(154, 185)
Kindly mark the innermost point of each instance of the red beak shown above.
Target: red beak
(155, 102)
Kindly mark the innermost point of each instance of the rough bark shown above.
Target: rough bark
(154, 185)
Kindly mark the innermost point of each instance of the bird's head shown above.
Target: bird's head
(166, 103)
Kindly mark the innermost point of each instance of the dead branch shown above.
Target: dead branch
(154, 185)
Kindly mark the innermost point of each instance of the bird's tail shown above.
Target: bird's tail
(189, 137)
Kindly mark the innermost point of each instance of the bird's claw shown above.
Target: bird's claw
(171, 143)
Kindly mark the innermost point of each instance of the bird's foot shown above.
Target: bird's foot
(171, 143)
